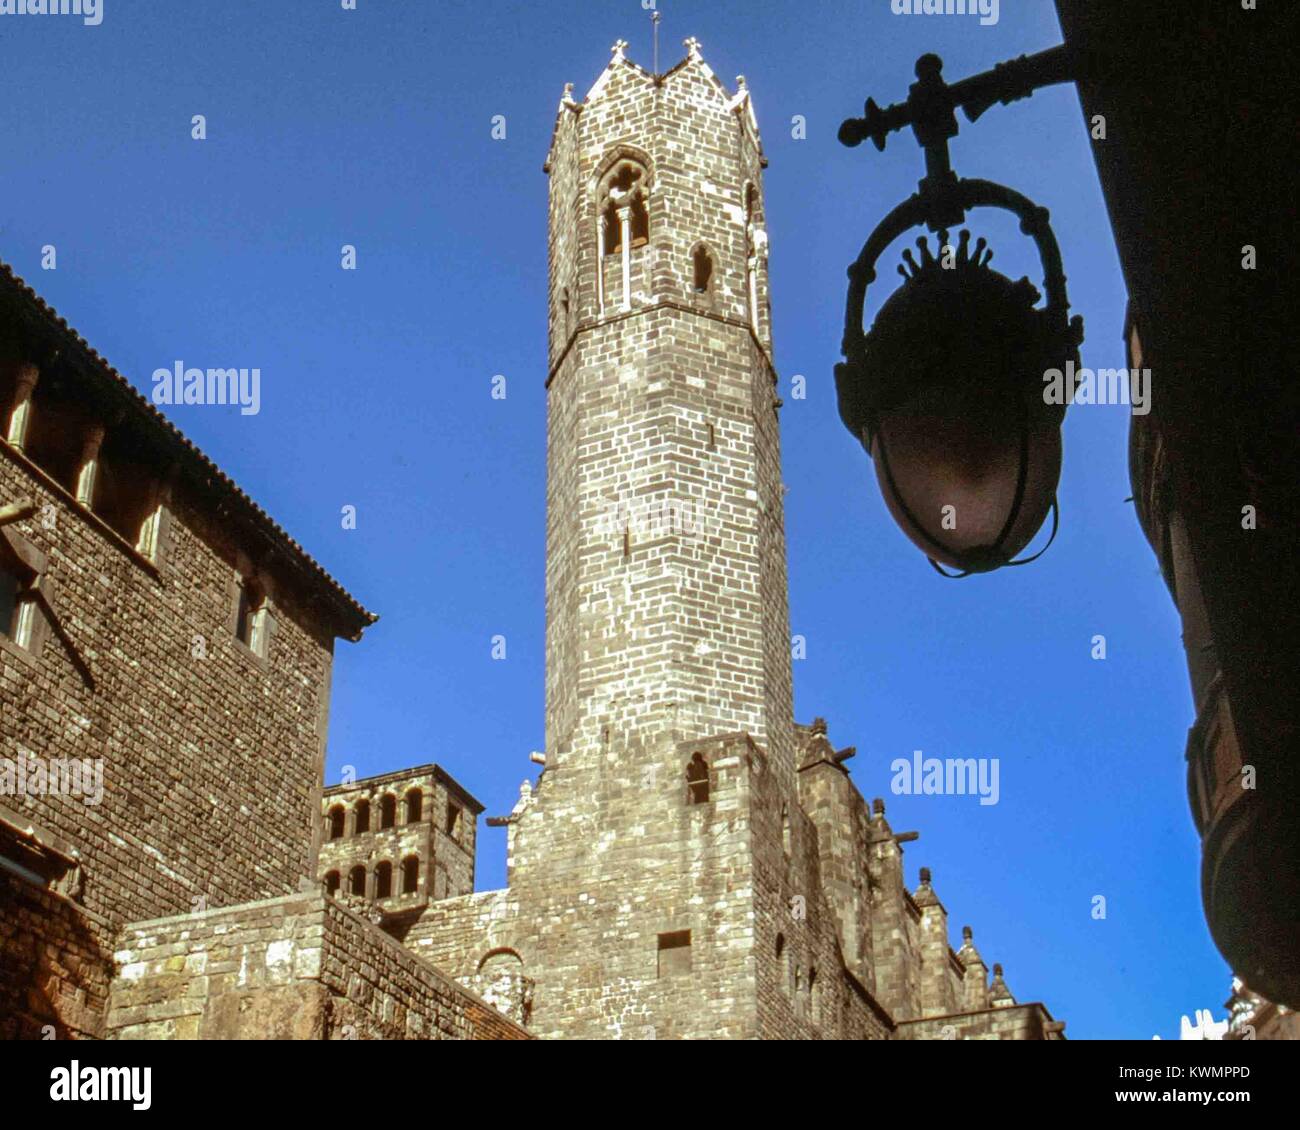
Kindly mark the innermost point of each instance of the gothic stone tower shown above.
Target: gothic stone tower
(690, 862)
(650, 858)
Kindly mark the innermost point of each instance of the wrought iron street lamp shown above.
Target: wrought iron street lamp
(946, 390)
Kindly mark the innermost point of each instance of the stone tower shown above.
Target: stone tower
(666, 582)
(667, 621)
(690, 862)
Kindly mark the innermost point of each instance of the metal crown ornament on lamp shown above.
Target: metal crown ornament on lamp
(946, 390)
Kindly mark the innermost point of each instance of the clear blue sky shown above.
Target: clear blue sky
(372, 127)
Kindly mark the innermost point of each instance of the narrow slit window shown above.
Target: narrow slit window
(702, 269)
(697, 780)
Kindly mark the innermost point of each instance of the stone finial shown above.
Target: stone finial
(997, 969)
(999, 995)
(567, 97)
(966, 934)
(925, 876)
(878, 806)
(819, 725)
(692, 46)
(620, 46)
(741, 85)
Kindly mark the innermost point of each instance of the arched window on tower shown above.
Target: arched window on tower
(337, 822)
(697, 780)
(383, 880)
(414, 806)
(623, 222)
(701, 270)
(410, 875)
(387, 811)
(331, 883)
(361, 818)
(357, 881)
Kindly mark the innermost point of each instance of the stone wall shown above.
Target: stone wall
(1015, 1022)
(54, 971)
(299, 967)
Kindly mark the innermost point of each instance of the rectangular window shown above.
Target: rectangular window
(674, 953)
(251, 619)
(36, 856)
(17, 607)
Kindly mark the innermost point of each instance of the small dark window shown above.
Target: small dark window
(674, 953)
(697, 780)
(410, 875)
(357, 881)
(414, 806)
(384, 880)
(785, 830)
(331, 883)
(453, 820)
(337, 819)
(702, 263)
(362, 821)
(387, 811)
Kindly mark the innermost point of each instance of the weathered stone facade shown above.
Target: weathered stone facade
(298, 967)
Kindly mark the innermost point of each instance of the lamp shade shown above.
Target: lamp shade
(946, 395)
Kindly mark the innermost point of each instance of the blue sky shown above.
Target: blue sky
(373, 128)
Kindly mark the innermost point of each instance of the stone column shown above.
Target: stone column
(625, 233)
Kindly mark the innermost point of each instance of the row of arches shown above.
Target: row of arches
(336, 819)
(359, 879)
